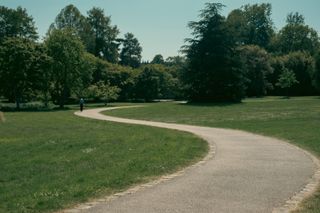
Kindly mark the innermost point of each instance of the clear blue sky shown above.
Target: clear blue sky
(159, 25)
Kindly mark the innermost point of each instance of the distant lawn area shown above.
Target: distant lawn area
(53, 160)
(296, 120)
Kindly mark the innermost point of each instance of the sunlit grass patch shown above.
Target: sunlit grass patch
(52, 160)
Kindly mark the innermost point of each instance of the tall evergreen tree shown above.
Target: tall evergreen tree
(214, 71)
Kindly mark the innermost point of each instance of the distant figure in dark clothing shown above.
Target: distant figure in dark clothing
(81, 104)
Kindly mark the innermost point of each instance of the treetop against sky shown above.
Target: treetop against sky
(160, 26)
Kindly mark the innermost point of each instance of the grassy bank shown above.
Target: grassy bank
(52, 160)
(296, 120)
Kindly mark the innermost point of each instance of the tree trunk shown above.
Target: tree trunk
(18, 103)
(61, 100)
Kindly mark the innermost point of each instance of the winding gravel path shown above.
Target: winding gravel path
(248, 173)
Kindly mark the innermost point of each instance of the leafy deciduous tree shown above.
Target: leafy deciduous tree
(252, 24)
(67, 53)
(18, 68)
(105, 35)
(153, 82)
(16, 23)
(103, 91)
(302, 64)
(296, 36)
(70, 17)
(257, 65)
(286, 80)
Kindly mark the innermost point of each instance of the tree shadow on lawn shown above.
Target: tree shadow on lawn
(210, 104)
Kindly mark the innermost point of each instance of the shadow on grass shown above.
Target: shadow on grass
(54, 108)
(210, 104)
(33, 109)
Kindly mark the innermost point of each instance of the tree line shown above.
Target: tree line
(242, 55)
(227, 58)
(79, 57)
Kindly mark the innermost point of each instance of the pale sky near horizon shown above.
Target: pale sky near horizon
(160, 26)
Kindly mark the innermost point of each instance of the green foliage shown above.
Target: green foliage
(67, 53)
(238, 26)
(131, 51)
(70, 17)
(86, 68)
(23, 66)
(103, 91)
(257, 67)
(154, 82)
(105, 35)
(302, 65)
(42, 73)
(16, 23)
(295, 18)
(287, 79)
(116, 75)
(214, 71)
(252, 24)
(157, 59)
(178, 61)
(296, 36)
(259, 23)
(316, 74)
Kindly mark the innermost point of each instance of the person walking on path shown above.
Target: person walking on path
(81, 104)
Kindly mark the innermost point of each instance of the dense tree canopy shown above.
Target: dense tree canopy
(154, 82)
(316, 74)
(226, 59)
(252, 24)
(302, 65)
(131, 51)
(67, 52)
(296, 36)
(105, 35)
(22, 66)
(257, 67)
(70, 17)
(16, 23)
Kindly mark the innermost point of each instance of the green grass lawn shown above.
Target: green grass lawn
(53, 160)
(296, 120)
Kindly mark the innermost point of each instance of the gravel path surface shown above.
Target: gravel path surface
(248, 173)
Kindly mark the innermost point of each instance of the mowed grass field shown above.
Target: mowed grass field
(296, 120)
(53, 160)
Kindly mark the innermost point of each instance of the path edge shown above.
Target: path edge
(313, 185)
(292, 204)
(164, 178)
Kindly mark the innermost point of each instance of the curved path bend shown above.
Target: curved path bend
(248, 173)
